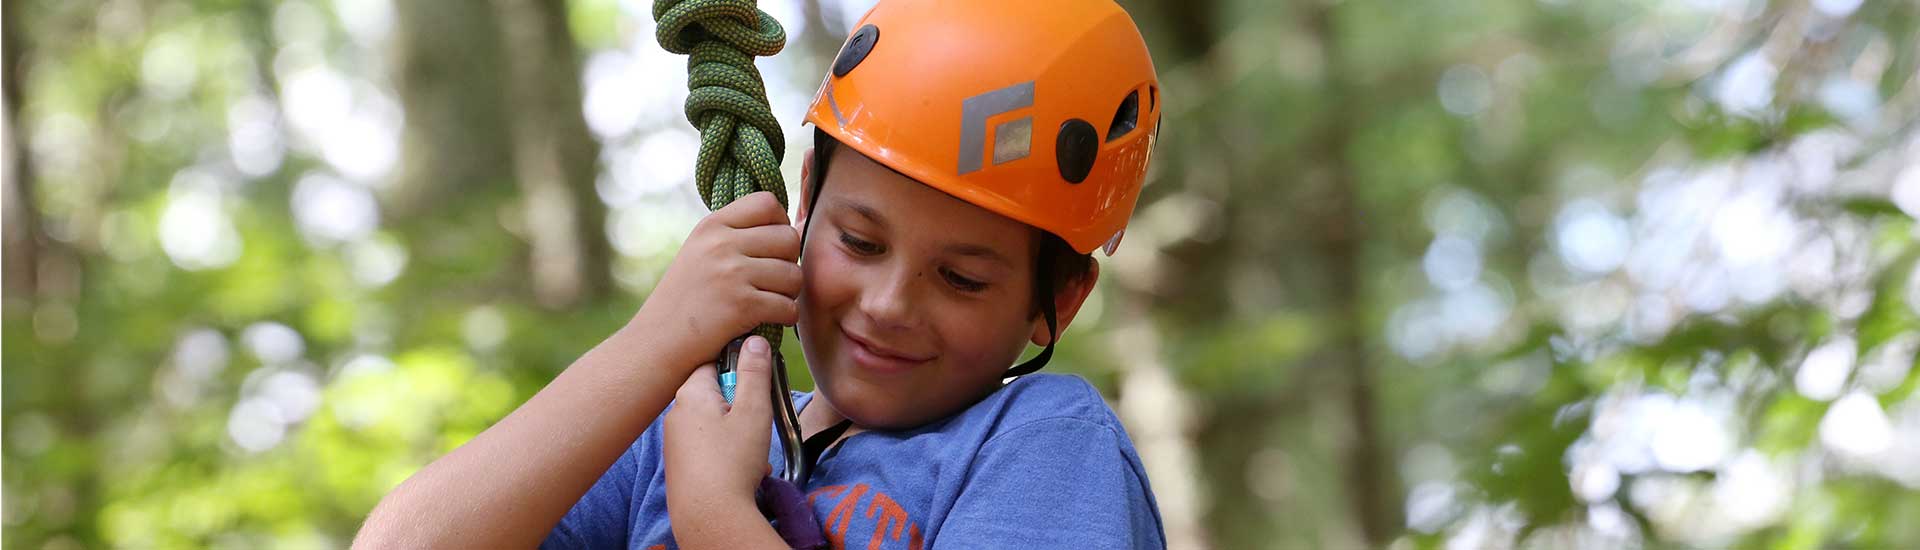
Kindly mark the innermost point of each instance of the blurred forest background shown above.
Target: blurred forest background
(1488, 274)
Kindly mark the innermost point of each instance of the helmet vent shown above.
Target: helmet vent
(856, 49)
(1075, 150)
(1126, 117)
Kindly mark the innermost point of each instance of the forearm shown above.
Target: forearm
(512, 483)
(725, 524)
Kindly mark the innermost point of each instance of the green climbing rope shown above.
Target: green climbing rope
(740, 141)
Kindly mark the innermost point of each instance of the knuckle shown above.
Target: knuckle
(770, 205)
(690, 391)
(718, 236)
(789, 312)
(731, 268)
(790, 240)
(702, 242)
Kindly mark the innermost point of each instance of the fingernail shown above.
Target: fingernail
(757, 344)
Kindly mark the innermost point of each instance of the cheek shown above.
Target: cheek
(983, 342)
(824, 277)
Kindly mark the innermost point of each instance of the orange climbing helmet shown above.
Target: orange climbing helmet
(1044, 111)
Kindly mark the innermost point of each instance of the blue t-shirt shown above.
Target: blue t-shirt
(1041, 463)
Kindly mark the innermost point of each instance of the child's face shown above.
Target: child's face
(915, 303)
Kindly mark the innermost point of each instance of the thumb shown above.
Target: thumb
(756, 379)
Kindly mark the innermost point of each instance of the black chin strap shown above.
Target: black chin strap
(1043, 297)
(817, 444)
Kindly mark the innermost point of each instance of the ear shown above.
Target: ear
(1066, 304)
(806, 189)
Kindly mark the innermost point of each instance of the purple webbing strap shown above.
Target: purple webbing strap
(792, 517)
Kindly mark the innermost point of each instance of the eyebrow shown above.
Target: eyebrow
(959, 249)
(977, 251)
(865, 211)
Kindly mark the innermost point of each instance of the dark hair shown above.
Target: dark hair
(1055, 263)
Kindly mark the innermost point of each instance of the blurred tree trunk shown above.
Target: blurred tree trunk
(492, 93)
(451, 84)
(554, 156)
(46, 275)
(21, 220)
(1307, 243)
(1371, 487)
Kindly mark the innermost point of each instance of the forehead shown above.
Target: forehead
(868, 189)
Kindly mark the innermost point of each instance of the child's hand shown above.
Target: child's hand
(716, 455)
(736, 270)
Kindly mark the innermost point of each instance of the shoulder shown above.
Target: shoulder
(1055, 404)
(1056, 454)
(1054, 395)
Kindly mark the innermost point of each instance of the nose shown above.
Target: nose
(888, 303)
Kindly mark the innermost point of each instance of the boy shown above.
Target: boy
(935, 250)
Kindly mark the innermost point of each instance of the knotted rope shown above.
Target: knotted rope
(740, 141)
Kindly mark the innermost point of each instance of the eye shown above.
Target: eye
(961, 282)
(860, 246)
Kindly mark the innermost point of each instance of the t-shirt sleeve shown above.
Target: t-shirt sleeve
(1054, 483)
(599, 519)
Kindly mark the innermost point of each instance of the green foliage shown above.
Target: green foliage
(1314, 157)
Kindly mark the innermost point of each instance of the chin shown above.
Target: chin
(890, 401)
(870, 405)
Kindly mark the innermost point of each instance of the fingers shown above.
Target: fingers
(753, 210)
(776, 276)
(780, 242)
(774, 308)
(756, 374)
(701, 391)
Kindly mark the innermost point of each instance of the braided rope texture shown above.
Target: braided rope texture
(740, 141)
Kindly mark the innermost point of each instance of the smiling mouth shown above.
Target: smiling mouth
(873, 357)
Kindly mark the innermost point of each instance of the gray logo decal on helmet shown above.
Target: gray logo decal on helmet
(1012, 139)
